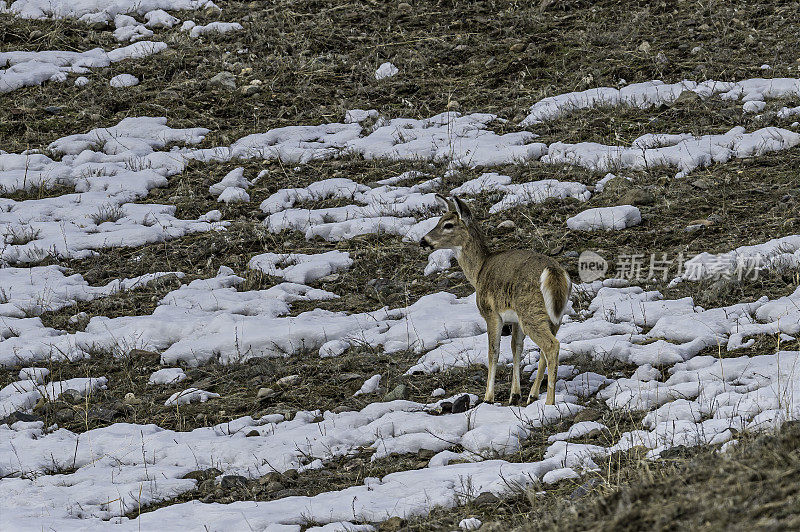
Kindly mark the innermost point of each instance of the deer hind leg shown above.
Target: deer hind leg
(517, 339)
(541, 333)
(494, 326)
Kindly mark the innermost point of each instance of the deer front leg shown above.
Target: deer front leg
(494, 326)
(517, 339)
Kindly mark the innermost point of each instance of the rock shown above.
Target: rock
(53, 110)
(223, 80)
(457, 275)
(461, 404)
(71, 396)
(518, 47)
(392, 524)
(232, 482)
(486, 498)
(342, 408)
(252, 434)
(103, 413)
(507, 224)
(404, 7)
(493, 526)
(453, 105)
(637, 196)
(266, 393)
(445, 407)
(644, 47)
(702, 184)
(587, 414)
(291, 474)
(661, 58)
(346, 377)
(15, 416)
(330, 278)
(65, 415)
(571, 254)
(250, 90)
(289, 380)
(585, 488)
(400, 392)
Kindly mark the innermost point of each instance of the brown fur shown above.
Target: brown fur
(506, 281)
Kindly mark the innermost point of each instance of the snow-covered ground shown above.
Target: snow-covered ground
(111, 471)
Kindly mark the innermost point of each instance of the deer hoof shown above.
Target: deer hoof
(514, 400)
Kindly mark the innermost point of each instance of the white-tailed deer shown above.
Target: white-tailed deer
(528, 290)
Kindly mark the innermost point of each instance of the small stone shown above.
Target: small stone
(346, 377)
(71, 396)
(392, 524)
(461, 404)
(702, 184)
(230, 482)
(131, 399)
(330, 278)
(53, 110)
(518, 47)
(701, 221)
(289, 380)
(223, 80)
(644, 47)
(507, 224)
(587, 414)
(445, 407)
(266, 393)
(453, 104)
(252, 434)
(584, 488)
(341, 408)
(486, 498)
(250, 90)
(571, 254)
(291, 474)
(404, 7)
(400, 392)
(661, 58)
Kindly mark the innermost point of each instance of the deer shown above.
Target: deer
(522, 288)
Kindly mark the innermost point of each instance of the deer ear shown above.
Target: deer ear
(441, 200)
(463, 210)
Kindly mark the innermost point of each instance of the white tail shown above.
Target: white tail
(555, 292)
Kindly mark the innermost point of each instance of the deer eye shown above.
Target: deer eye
(448, 225)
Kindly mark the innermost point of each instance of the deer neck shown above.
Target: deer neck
(472, 255)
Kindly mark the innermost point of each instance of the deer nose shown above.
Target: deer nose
(424, 244)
